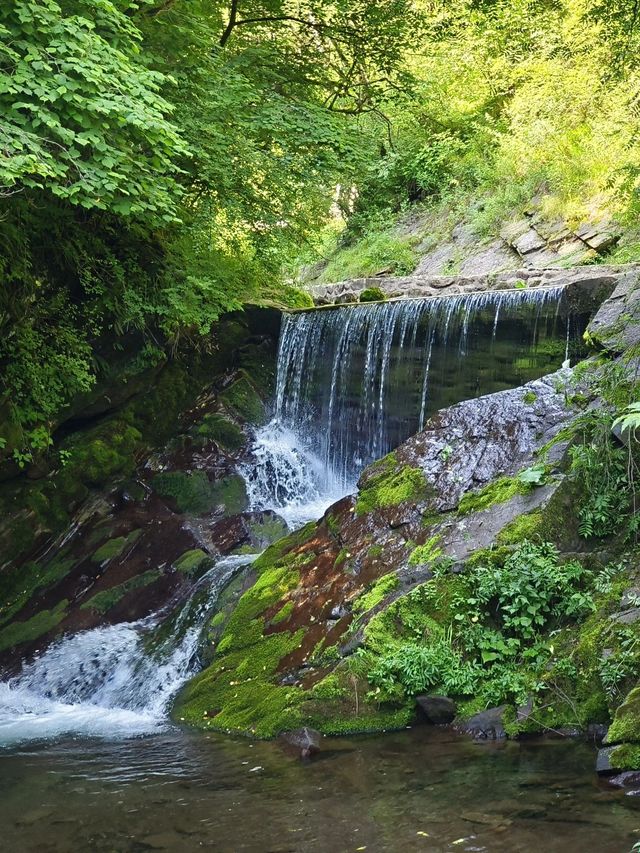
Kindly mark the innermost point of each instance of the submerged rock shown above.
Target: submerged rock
(305, 741)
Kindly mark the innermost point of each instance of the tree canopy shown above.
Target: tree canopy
(163, 161)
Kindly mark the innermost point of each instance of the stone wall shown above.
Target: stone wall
(597, 281)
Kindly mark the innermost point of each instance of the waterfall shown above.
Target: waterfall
(117, 680)
(354, 382)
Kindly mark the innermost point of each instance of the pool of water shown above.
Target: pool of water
(418, 790)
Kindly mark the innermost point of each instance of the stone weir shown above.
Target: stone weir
(595, 282)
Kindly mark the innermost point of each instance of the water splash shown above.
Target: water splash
(113, 681)
(286, 476)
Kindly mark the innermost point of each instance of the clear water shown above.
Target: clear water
(355, 382)
(418, 790)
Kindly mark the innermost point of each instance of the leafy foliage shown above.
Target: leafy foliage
(485, 632)
(160, 162)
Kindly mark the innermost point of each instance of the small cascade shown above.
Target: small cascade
(354, 382)
(117, 680)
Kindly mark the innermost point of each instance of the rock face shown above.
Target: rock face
(147, 499)
(333, 577)
(590, 284)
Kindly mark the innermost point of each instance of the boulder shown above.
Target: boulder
(487, 725)
(438, 710)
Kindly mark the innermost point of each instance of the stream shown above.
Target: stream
(419, 790)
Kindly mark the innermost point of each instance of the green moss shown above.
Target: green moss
(523, 527)
(23, 632)
(190, 492)
(343, 556)
(375, 551)
(498, 492)
(103, 453)
(626, 757)
(191, 562)
(376, 593)
(427, 553)
(330, 687)
(372, 294)
(284, 614)
(230, 493)
(238, 691)
(115, 547)
(102, 602)
(223, 431)
(218, 619)
(626, 722)
(25, 581)
(391, 488)
(244, 401)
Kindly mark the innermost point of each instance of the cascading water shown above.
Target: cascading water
(112, 681)
(354, 382)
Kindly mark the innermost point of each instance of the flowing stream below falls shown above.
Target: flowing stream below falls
(89, 759)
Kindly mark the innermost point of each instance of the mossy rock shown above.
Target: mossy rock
(103, 453)
(17, 633)
(193, 493)
(104, 601)
(192, 562)
(388, 485)
(222, 430)
(626, 722)
(230, 493)
(373, 294)
(20, 585)
(115, 547)
(242, 398)
(239, 691)
(498, 492)
(626, 757)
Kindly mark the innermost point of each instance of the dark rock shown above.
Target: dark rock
(596, 731)
(626, 779)
(487, 725)
(626, 617)
(438, 710)
(305, 741)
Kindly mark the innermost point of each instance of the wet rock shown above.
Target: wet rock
(338, 612)
(626, 779)
(438, 710)
(304, 741)
(487, 725)
(603, 761)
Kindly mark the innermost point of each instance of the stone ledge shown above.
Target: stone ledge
(597, 281)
